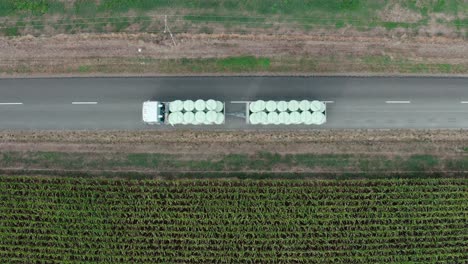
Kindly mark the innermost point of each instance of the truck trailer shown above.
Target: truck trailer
(184, 112)
(293, 112)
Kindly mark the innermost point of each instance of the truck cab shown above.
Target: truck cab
(153, 112)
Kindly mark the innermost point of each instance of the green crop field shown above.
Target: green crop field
(48, 220)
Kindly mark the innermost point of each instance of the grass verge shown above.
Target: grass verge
(260, 165)
(239, 64)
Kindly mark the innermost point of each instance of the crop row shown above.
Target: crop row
(248, 206)
(169, 243)
(185, 257)
(89, 220)
(233, 193)
(338, 236)
(200, 256)
(213, 250)
(303, 193)
(239, 190)
(302, 217)
(79, 183)
(218, 232)
(270, 221)
(360, 238)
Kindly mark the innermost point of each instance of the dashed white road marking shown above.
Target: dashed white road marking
(84, 103)
(11, 103)
(329, 102)
(398, 102)
(464, 102)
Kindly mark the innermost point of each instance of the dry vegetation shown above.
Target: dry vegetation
(294, 37)
(119, 54)
(234, 137)
(314, 152)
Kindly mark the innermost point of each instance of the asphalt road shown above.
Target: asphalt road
(115, 103)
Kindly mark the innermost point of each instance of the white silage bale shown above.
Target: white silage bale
(189, 117)
(270, 106)
(304, 105)
(211, 116)
(295, 117)
(176, 106)
(273, 118)
(260, 105)
(283, 118)
(322, 107)
(253, 107)
(171, 119)
(211, 105)
(219, 106)
(253, 119)
(219, 118)
(189, 105)
(315, 106)
(179, 117)
(293, 105)
(200, 117)
(200, 105)
(306, 117)
(282, 106)
(262, 118)
(318, 118)
(176, 118)
(195, 122)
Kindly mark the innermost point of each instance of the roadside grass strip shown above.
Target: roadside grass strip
(259, 165)
(240, 64)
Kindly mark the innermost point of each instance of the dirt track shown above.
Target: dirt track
(67, 53)
(402, 142)
(221, 45)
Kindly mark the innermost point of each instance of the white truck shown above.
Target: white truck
(293, 112)
(184, 112)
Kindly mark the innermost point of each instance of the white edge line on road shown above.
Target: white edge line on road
(11, 103)
(84, 103)
(398, 102)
